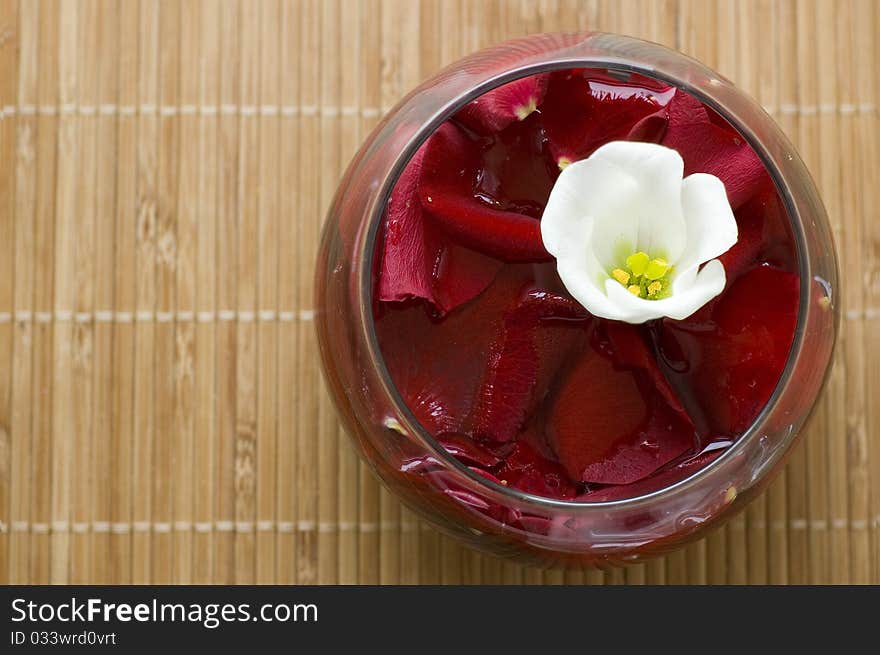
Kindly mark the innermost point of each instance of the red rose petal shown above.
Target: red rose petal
(468, 451)
(630, 350)
(498, 108)
(485, 474)
(460, 275)
(726, 363)
(517, 173)
(417, 261)
(446, 190)
(709, 145)
(523, 360)
(744, 253)
(526, 470)
(438, 366)
(611, 426)
(764, 234)
(585, 109)
(532, 524)
(463, 448)
(764, 237)
(534, 435)
(659, 480)
(504, 235)
(466, 500)
(663, 439)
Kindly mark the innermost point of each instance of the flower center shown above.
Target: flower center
(644, 276)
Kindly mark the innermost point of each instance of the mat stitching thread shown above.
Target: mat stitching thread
(330, 111)
(247, 527)
(167, 111)
(182, 316)
(226, 315)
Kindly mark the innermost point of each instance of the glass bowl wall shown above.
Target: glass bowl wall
(462, 504)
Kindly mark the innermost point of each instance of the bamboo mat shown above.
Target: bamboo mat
(164, 170)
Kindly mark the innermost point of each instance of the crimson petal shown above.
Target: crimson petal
(630, 350)
(498, 108)
(585, 109)
(610, 425)
(526, 470)
(438, 366)
(450, 168)
(709, 145)
(468, 451)
(764, 235)
(418, 261)
(516, 173)
(529, 349)
(744, 253)
(726, 363)
(659, 480)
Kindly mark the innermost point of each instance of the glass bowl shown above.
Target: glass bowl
(416, 468)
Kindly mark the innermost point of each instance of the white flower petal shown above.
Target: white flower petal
(582, 274)
(588, 206)
(658, 171)
(707, 284)
(711, 226)
(630, 196)
(584, 287)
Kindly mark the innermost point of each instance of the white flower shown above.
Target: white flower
(629, 234)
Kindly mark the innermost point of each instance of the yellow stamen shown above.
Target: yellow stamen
(644, 277)
(656, 269)
(621, 276)
(562, 162)
(637, 263)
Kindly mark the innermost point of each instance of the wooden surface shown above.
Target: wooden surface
(164, 169)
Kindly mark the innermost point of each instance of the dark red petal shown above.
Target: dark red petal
(409, 251)
(532, 524)
(420, 465)
(663, 439)
(525, 355)
(467, 500)
(463, 448)
(517, 173)
(611, 426)
(726, 363)
(659, 480)
(438, 366)
(507, 236)
(418, 261)
(585, 109)
(630, 350)
(526, 470)
(534, 435)
(485, 474)
(495, 110)
(468, 451)
(461, 274)
(709, 145)
(764, 234)
(744, 253)
(446, 190)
